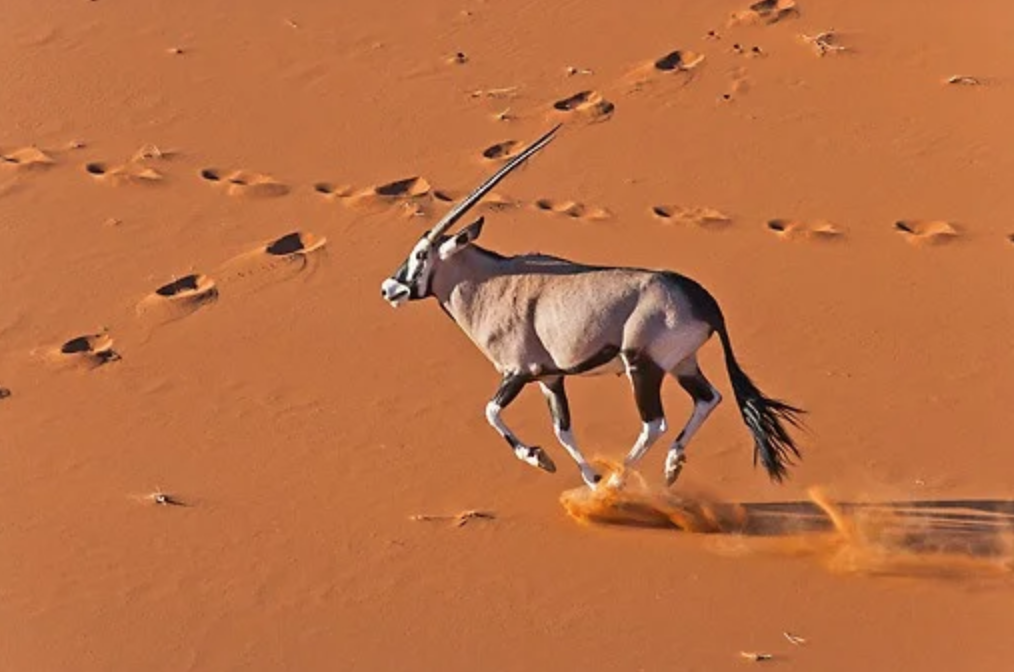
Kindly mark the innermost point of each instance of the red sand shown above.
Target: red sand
(303, 422)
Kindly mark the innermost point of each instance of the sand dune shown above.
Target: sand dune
(222, 450)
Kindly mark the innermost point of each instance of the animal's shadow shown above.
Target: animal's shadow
(978, 528)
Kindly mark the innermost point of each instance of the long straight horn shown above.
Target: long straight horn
(466, 203)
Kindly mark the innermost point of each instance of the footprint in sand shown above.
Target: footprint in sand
(705, 218)
(588, 105)
(572, 209)
(245, 183)
(794, 229)
(88, 352)
(927, 232)
(409, 187)
(26, 158)
(326, 188)
(411, 192)
(765, 11)
(672, 63)
(502, 151)
(177, 299)
(277, 260)
(133, 171)
(680, 60)
(128, 173)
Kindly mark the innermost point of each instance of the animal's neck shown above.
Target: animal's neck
(466, 270)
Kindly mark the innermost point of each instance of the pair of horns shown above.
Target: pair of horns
(463, 206)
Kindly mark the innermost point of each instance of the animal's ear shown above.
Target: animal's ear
(461, 239)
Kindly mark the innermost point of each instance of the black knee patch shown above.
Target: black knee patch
(646, 377)
(559, 409)
(510, 387)
(697, 387)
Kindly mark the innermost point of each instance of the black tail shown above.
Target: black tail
(763, 417)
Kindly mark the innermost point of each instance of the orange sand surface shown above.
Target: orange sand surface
(221, 450)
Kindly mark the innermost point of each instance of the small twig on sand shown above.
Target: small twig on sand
(571, 71)
(504, 115)
(823, 42)
(756, 657)
(963, 79)
(165, 499)
(459, 519)
(794, 639)
(149, 152)
(505, 92)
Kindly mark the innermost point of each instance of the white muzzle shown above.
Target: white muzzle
(394, 292)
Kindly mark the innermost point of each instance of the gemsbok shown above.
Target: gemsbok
(540, 318)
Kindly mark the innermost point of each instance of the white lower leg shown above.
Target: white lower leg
(493, 418)
(566, 439)
(677, 456)
(650, 431)
(521, 451)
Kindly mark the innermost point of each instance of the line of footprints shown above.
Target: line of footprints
(283, 258)
(417, 197)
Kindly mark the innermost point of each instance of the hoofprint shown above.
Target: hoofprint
(541, 319)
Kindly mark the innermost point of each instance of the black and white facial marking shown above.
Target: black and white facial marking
(413, 278)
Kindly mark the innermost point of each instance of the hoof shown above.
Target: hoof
(542, 460)
(536, 457)
(673, 466)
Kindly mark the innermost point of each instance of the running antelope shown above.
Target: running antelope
(540, 318)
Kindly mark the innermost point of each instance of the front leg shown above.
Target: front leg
(510, 387)
(559, 408)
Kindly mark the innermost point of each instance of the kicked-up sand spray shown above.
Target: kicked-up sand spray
(927, 538)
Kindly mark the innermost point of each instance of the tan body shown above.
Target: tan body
(540, 315)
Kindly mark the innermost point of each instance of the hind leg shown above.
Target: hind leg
(705, 397)
(556, 395)
(646, 378)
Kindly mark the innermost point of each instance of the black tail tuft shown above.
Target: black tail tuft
(763, 417)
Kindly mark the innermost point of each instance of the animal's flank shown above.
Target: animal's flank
(763, 416)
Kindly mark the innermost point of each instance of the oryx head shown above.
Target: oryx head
(412, 279)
